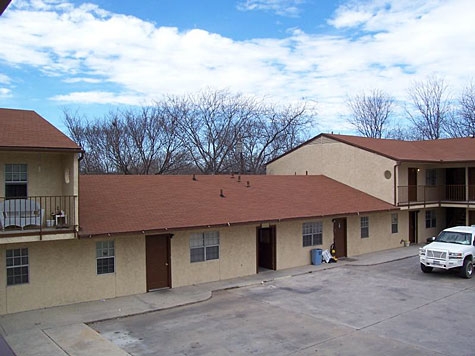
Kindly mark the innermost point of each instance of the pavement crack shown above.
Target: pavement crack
(415, 308)
(54, 342)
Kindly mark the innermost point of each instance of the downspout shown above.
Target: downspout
(395, 181)
(76, 227)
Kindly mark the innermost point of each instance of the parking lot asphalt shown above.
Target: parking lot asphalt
(385, 309)
(64, 330)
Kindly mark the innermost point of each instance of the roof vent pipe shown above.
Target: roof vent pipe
(248, 184)
(194, 177)
(221, 194)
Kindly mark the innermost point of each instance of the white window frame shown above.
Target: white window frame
(312, 233)
(204, 246)
(394, 223)
(17, 265)
(16, 174)
(364, 227)
(431, 219)
(105, 250)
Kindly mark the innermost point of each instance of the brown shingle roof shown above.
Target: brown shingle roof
(25, 129)
(120, 204)
(442, 150)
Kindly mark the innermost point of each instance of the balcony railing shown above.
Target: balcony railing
(52, 214)
(436, 194)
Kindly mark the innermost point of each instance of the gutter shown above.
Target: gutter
(395, 181)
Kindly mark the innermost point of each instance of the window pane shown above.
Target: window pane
(312, 233)
(197, 254)
(212, 253)
(105, 257)
(317, 239)
(17, 266)
(307, 240)
(105, 265)
(364, 226)
(211, 238)
(196, 240)
(364, 232)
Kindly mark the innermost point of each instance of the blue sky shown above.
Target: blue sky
(95, 56)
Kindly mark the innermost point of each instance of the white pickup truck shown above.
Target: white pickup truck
(453, 248)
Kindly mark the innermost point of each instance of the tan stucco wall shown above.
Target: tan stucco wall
(422, 232)
(46, 172)
(380, 235)
(355, 167)
(291, 253)
(47, 178)
(238, 247)
(290, 250)
(63, 272)
(237, 257)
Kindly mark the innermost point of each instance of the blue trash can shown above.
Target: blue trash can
(316, 255)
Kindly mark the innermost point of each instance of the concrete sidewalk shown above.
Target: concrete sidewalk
(63, 331)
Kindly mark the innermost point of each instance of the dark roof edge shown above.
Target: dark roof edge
(295, 148)
(341, 139)
(170, 230)
(41, 149)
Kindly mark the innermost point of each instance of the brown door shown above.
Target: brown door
(471, 183)
(413, 226)
(471, 217)
(412, 184)
(455, 184)
(339, 236)
(266, 248)
(157, 258)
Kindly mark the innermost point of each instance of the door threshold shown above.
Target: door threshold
(158, 289)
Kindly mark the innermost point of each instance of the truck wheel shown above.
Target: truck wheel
(426, 269)
(467, 269)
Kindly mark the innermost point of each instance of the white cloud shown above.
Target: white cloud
(99, 97)
(396, 42)
(4, 79)
(279, 7)
(82, 80)
(5, 92)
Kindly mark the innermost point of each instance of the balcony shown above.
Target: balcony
(423, 195)
(37, 216)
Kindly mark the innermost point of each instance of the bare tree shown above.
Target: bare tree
(273, 131)
(370, 113)
(89, 138)
(141, 141)
(431, 106)
(156, 144)
(211, 123)
(462, 123)
(211, 132)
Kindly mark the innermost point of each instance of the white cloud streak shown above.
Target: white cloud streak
(397, 42)
(280, 7)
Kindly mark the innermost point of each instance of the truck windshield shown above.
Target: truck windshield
(454, 237)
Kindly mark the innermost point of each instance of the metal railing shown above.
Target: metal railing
(37, 213)
(429, 194)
